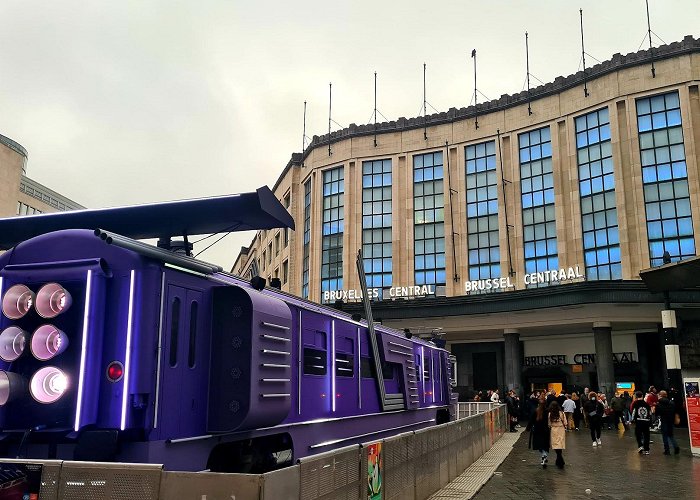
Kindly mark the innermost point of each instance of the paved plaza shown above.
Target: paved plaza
(613, 471)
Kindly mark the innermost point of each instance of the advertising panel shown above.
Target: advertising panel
(692, 399)
(20, 481)
(374, 471)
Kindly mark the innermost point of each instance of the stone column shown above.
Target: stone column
(513, 363)
(604, 358)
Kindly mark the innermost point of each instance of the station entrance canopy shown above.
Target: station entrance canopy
(681, 275)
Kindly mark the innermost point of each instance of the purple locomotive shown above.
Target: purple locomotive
(115, 350)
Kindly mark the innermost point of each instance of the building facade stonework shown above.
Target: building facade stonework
(578, 195)
(21, 195)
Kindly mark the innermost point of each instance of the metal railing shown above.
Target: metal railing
(413, 466)
(471, 408)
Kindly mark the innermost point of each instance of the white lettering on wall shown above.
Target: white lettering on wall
(548, 276)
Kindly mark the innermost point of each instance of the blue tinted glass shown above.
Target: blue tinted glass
(687, 246)
(644, 123)
(673, 117)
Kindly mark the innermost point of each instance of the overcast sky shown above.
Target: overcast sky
(132, 101)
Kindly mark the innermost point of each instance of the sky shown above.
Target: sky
(129, 102)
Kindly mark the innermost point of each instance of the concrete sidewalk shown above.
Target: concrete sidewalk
(478, 474)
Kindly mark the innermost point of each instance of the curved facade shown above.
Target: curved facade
(561, 188)
(20, 195)
(603, 183)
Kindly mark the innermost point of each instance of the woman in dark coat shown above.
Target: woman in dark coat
(539, 431)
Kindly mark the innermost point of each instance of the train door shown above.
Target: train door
(185, 356)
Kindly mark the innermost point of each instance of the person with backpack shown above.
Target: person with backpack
(594, 409)
(641, 416)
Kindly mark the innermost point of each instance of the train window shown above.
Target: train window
(314, 361)
(344, 365)
(367, 369)
(193, 334)
(174, 330)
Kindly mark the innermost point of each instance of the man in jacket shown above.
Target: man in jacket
(641, 416)
(666, 411)
(618, 407)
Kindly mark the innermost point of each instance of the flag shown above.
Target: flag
(473, 52)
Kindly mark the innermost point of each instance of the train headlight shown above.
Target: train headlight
(51, 300)
(17, 302)
(12, 385)
(12, 342)
(48, 342)
(48, 385)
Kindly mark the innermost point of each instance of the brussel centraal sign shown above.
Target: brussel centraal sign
(549, 276)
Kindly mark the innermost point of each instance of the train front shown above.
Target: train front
(64, 355)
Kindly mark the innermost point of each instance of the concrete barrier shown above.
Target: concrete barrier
(414, 465)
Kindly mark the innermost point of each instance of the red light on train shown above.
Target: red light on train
(115, 371)
(48, 385)
(48, 342)
(17, 302)
(12, 342)
(12, 385)
(51, 300)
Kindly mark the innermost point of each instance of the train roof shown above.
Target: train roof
(211, 271)
(219, 214)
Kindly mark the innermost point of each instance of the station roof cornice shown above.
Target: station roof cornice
(688, 45)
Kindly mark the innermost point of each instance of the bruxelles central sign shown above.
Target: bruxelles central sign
(375, 293)
(548, 276)
(412, 291)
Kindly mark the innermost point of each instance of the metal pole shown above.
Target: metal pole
(303, 136)
(527, 65)
(330, 101)
(425, 108)
(651, 48)
(375, 109)
(476, 113)
(583, 56)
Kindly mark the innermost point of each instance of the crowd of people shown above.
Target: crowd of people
(551, 416)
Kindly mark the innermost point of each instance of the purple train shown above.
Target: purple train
(112, 349)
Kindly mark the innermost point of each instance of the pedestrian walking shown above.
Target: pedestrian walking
(569, 408)
(627, 403)
(641, 416)
(666, 411)
(585, 397)
(618, 406)
(578, 411)
(538, 427)
(652, 398)
(512, 407)
(594, 409)
(557, 426)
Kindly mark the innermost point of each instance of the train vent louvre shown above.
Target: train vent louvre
(406, 353)
(275, 360)
(413, 398)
